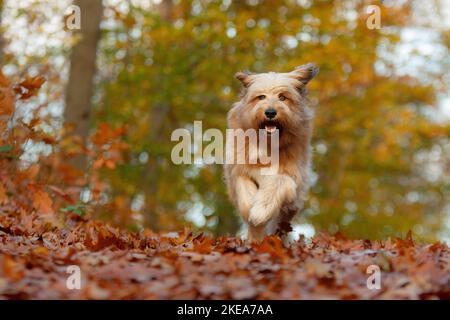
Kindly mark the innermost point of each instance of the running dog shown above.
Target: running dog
(272, 103)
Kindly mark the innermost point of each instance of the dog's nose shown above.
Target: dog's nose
(270, 113)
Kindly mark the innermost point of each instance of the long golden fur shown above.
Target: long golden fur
(267, 203)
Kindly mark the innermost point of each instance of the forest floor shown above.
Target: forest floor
(36, 252)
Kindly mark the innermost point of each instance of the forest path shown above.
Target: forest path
(35, 260)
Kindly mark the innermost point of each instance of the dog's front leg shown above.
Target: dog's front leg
(273, 192)
(245, 195)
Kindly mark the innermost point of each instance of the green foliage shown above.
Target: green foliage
(6, 148)
(78, 209)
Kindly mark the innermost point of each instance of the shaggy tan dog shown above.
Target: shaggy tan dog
(276, 104)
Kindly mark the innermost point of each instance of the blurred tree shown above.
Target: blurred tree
(371, 123)
(80, 89)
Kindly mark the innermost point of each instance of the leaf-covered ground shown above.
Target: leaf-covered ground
(35, 252)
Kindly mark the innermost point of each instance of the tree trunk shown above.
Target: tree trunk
(80, 86)
(165, 9)
(159, 116)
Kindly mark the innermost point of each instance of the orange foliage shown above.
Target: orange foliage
(49, 186)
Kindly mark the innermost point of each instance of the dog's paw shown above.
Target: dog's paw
(259, 214)
(255, 234)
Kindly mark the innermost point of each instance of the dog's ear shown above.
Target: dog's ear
(305, 72)
(244, 77)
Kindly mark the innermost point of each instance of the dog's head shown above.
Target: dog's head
(273, 101)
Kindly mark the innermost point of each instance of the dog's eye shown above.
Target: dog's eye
(282, 98)
(261, 97)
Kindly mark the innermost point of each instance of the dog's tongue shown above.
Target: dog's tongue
(270, 128)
